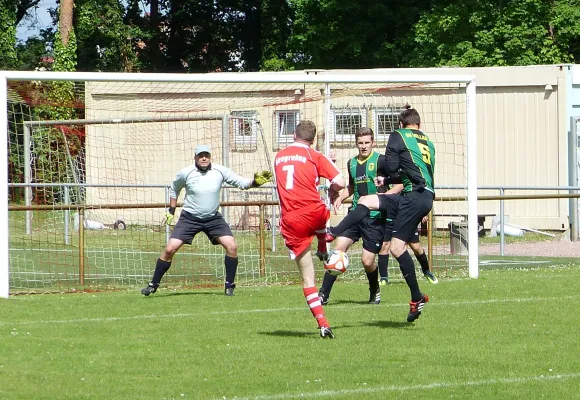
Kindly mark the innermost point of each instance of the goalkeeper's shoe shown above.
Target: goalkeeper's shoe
(416, 307)
(322, 255)
(326, 332)
(150, 289)
(323, 297)
(229, 289)
(430, 277)
(384, 281)
(375, 295)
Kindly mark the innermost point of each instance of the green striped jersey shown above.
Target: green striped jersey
(361, 177)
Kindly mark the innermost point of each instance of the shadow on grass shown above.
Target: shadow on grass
(340, 302)
(315, 333)
(161, 295)
(388, 324)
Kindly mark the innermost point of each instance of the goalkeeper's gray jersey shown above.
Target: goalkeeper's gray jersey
(202, 189)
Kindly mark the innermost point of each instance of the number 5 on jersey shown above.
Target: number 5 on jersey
(425, 153)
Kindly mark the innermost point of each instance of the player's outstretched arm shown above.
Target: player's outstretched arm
(343, 195)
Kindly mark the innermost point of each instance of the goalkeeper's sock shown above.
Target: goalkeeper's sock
(422, 258)
(351, 219)
(315, 306)
(408, 269)
(327, 283)
(322, 245)
(231, 264)
(384, 266)
(160, 269)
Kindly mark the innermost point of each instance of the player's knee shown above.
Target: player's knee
(397, 248)
(364, 200)
(370, 201)
(169, 252)
(385, 248)
(368, 265)
(231, 248)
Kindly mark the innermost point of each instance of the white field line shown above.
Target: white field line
(428, 386)
(285, 309)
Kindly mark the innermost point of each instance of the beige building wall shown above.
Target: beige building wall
(519, 129)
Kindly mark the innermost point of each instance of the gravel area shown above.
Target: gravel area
(557, 248)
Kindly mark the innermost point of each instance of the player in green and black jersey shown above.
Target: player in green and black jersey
(362, 171)
(410, 160)
(413, 242)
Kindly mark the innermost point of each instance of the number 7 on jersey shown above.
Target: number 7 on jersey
(289, 169)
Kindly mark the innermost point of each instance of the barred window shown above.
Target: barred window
(285, 123)
(245, 127)
(385, 120)
(346, 121)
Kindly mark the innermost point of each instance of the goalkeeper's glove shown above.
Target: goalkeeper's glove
(170, 215)
(262, 177)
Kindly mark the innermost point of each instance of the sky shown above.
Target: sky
(40, 17)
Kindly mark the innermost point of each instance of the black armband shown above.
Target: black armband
(171, 210)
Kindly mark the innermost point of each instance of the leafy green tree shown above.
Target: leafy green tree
(106, 41)
(8, 35)
(276, 28)
(30, 54)
(351, 34)
(496, 32)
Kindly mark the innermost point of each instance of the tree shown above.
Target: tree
(107, 38)
(8, 36)
(276, 27)
(23, 7)
(30, 54)
(498, 32)
(351, 34)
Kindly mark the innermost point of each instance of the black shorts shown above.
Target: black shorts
(389, 224)
(390, 207)
(188, 226)
(371, 230)
(413, 206)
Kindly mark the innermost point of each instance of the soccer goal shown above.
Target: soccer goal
(91, 156)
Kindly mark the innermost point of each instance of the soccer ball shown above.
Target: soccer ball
(337, 262)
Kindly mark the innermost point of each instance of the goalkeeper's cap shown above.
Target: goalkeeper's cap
(202, 148)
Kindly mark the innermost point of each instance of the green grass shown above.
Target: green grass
(510, 334)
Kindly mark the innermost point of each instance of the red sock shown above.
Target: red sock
(322, 245)
(315, 306)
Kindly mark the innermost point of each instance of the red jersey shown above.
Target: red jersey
(298, 169)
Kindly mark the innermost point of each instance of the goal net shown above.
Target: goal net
(91, 158)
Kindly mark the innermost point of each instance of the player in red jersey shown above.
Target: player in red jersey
(298, 169)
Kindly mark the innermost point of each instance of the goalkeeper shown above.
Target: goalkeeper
(202, 182)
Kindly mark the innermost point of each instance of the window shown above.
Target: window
(284, 125)
(385, 120)
(346, 121)
(245, 127)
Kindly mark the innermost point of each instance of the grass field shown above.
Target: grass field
(510, 334)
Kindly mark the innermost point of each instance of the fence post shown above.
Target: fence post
(82, 246)
(66, 216)
(501, 224)
(262, 242)
(430, 238)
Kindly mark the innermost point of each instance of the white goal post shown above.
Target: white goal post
(323, 78)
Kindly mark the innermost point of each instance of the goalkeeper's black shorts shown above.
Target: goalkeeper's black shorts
(188, 226)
